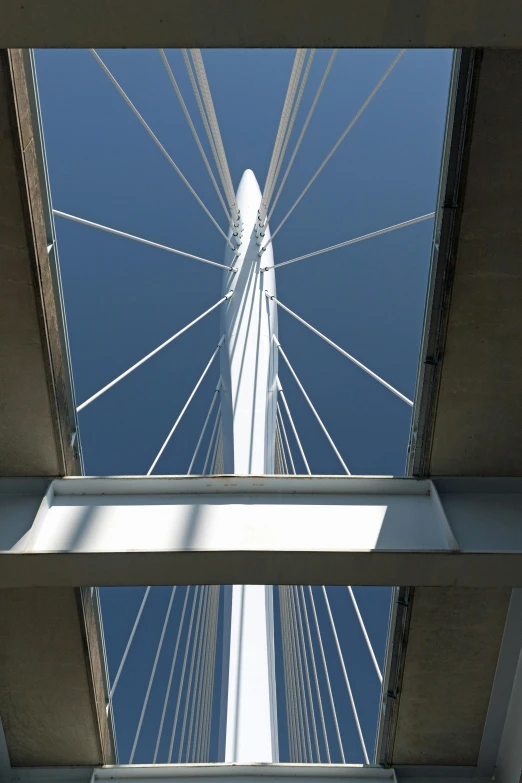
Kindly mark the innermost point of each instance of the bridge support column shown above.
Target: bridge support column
(248, 409)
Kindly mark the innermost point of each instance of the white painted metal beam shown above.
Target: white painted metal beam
(261, 530)
(276, 773)
(188, 773)
(244, 773)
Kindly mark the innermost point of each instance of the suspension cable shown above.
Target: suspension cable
(84, 222)
(278, 468)
(347, 681)
(279, 441)
(290, 419)
(303, 131)
(356, 240)
(171, 674)
(285, 437)
(210, 679)
(197, 659)
(206, 95)
(201, 680)
(193, 392)
(288, 131)
(191, 670)
(199, 731)
(200, 714)
(307, 398)
(307, 672)
(152, 675)
(194, 132)
(203, 751)
(344, 353)
(182, 678)
(281, 131)
(203, 114)
(298, 712)
(210, 112)
(300, 668)
(129, 642)
(220, 456)
(290, 716)
(278, 457)
(283, 452)
(151, 354)
(213, 465)
(159, 144)
(365, 633)
(327, 676)
(214, 398)
(300, 729)
(316, 679)
(211, 441)
(337, 144)
(303, 665)
(291, 123)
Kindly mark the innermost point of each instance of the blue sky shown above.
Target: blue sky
(122, 299)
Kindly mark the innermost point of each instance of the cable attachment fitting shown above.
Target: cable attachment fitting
(260, 228)
(237, 228)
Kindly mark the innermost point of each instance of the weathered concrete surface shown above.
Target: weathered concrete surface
(453, 645)
(478, 427)
(52, 702)
(286, 23)
(468, 417)
(36, 421)
(51, 705)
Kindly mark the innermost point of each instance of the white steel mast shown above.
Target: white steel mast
(249, 406)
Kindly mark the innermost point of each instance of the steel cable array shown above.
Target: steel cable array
(304, 703)
(281, 132)
(303, 644)
(305, 682)
(194, 133)
(213, 129)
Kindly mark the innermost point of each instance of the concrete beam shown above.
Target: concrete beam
(467, 418)
(454, 640)
(52, 693)
(261, 530)
(38, 425)
(283, 23)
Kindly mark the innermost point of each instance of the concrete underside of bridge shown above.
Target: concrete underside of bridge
(447, 699)
(52, 703)
(285, 23)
